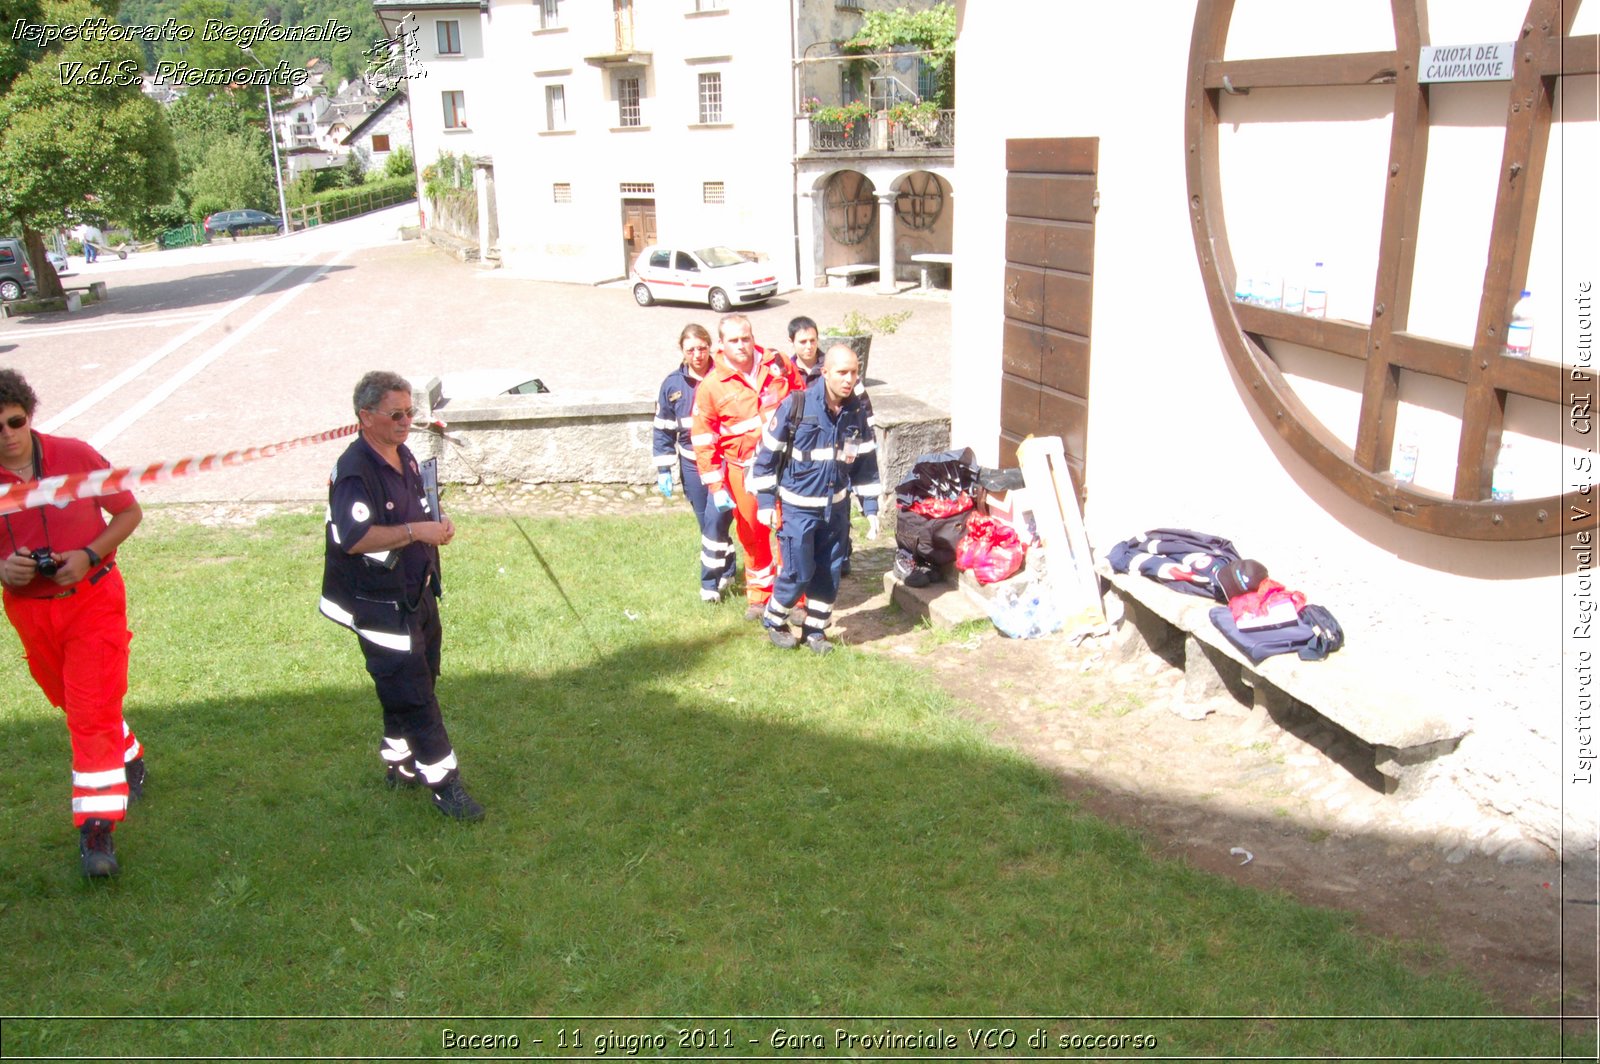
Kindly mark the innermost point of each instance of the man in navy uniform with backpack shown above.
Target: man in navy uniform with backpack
(817, 450)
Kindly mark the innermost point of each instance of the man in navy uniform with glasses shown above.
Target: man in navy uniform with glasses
(381, 580)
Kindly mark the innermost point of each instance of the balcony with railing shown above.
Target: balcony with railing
(919, 133)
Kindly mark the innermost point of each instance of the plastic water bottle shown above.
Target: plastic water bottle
(1503, 486)
(1267, 290)
(1294, 297)
(1519, 334)
(1316, 297)
(1404, 464)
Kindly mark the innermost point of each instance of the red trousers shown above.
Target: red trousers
(761, 560)
(77, 650)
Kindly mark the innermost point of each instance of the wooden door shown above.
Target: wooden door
(638, 228)
(1044, 385)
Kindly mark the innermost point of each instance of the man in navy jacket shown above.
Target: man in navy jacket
(817, 450)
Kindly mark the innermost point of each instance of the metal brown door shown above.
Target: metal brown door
(638, 228)
(1044, 385)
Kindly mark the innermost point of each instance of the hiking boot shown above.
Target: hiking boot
(94, 848)
(797, 616)
(818, 643)
(782, 638)
(136, 774)
(754, 611)
(451, 799)
(403, 774)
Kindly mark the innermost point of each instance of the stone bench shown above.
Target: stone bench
(1407, 728)
(843, 276)
(96, 290)
(927, 261)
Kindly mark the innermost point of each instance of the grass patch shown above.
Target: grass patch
(682, 822)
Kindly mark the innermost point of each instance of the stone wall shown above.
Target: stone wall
(604, 437)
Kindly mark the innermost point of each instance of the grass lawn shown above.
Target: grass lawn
(683, 822)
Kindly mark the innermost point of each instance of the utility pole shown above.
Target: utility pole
(272, 132)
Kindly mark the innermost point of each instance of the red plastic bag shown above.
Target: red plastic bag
(990, 550)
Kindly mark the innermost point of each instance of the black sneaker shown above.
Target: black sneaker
(818, 643)
(94, 848)
(135, 771)
(782, 638)
(451, 799)
(401, 775)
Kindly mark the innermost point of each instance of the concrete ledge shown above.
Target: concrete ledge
(1406, 727)
(945, 604)
(604, 437)
(459, 246)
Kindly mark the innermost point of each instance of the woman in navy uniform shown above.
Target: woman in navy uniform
(671, 445)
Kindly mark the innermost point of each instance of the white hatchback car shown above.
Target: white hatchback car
(717, 276)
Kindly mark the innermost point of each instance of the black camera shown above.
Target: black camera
(45, 562)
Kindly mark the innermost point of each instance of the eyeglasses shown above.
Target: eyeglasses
(697, 347)
(16, 421)
(404, 414)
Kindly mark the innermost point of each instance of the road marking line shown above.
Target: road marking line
(112, 324)
(111, 386)
(124, 420)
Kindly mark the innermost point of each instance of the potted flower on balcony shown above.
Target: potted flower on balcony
(856, 332)
(845, 116)
(919, 119)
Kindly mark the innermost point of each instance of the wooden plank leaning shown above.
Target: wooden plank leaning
(1054, 502)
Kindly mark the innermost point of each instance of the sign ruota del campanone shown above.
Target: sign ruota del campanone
(1465, 62)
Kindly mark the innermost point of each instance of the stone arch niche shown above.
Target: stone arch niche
(1381, 347)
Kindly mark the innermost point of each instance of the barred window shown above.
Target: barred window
(563, 191)
(711, 97)
(628, 102)
(549, 14)
(555, 107)
(713, 192)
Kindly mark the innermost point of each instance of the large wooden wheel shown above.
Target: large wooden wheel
(1544, 53)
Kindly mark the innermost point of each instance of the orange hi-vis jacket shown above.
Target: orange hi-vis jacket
(729, 413)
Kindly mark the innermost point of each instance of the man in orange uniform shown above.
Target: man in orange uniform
(64, 595)
(731, 407)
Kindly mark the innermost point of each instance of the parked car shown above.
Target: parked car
(717, 276)
(235, 222)
(59, 261)
(16, 276)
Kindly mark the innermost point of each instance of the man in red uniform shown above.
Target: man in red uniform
(731, 407)
(66, 599)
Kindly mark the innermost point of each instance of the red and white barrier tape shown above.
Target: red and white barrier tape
(57, 491)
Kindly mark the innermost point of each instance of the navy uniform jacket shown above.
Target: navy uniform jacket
(819, 472)
(674, 414)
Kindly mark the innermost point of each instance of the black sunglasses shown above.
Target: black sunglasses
(16, 421)
(396, 415)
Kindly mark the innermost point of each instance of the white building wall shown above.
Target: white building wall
(749, 151)
(1173, 441)
(433, 74)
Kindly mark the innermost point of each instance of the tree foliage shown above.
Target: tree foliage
(230, 176)
(932, 31)
(72, 144)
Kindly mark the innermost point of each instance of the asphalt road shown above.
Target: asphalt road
(237, 345)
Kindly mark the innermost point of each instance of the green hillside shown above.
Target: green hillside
(348, 58)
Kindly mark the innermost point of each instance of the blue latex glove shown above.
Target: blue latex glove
(664, 485)
(722, 500)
